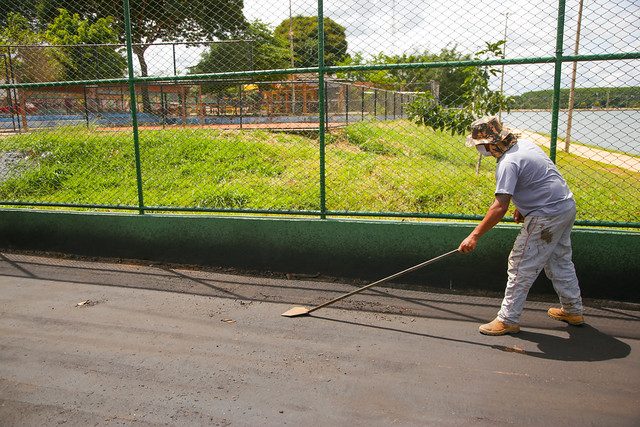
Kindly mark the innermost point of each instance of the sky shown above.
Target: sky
(401, 25)
(410, 26)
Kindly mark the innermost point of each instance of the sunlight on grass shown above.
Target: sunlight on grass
(370, 167)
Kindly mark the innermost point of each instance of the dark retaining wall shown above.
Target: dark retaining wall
(607, 261)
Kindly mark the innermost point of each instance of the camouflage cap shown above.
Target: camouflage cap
(486, 130)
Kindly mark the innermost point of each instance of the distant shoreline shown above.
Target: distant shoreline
(575, 109)
(589, 127)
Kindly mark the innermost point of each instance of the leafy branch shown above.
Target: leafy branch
(478, 99)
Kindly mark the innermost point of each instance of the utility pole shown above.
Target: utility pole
(572, 91)
(293, 76)
(393, 26)
(504, 54)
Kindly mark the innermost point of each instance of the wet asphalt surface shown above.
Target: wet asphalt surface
(115, 343)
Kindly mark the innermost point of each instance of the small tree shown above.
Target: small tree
(478, 98)
(482, 100)
(158, 20)
(449, 79)
(86, 62)
(31, 61)
(259, 49)
(27, 59)
(305, 40)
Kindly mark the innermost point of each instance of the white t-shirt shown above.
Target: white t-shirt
(536, 186)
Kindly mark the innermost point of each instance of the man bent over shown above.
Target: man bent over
(525, 175)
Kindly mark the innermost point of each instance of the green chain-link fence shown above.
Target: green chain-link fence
(236, 110)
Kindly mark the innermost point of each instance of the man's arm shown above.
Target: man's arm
(494, 215)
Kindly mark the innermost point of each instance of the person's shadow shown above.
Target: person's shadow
(584, 344)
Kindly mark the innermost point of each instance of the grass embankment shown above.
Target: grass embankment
(370, 166)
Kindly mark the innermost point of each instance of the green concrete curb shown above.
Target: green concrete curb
(606, 260)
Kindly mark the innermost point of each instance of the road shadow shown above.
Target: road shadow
(403, 331)
(584, 344)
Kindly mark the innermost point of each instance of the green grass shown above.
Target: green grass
(370, 166)
(602, 192)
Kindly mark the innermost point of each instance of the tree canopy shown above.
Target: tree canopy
(477, 99)
(57, 53)
(26, 8)
(305, 40)
(258, 49)
(450, 79)
(30, 62)
(86, 62)
(158, 20)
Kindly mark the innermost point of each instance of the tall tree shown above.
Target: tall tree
(158, 20)
(305, 40)
(86, 62)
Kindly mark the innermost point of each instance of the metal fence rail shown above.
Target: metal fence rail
(306, 108)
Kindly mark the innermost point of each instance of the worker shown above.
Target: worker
(544, 204)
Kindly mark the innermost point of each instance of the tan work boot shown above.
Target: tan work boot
(496, 327)
(560, 314)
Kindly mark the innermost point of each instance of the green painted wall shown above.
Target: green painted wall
(607, 261)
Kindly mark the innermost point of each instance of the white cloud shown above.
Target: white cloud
(397, 26)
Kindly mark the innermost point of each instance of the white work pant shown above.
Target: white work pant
(543, 242)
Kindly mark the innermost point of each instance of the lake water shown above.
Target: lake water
(610, 129)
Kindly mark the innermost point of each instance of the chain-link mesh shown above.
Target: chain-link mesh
(234, 111)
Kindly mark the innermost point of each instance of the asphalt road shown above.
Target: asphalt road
(96, 343)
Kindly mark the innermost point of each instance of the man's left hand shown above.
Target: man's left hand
(518, 217)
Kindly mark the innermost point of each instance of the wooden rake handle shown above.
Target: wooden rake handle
(386, 279)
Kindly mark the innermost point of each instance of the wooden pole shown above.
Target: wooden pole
(572, 91)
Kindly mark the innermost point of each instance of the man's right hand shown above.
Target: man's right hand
(468, 244)
(495, 213)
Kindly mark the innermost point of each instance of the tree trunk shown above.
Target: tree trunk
(22, 109)
(139, 50)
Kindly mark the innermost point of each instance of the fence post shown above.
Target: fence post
(10, 80)
(200, 106)
(86, 104)
(362, 118)
(321, 108)
(557, 81)
(326, 103)
(175, 68)
(241, 104)
(375, 104)
(163, 106)
(134, 107)
(386, 104)
(394, 105)
(346, 105)
(22, 105)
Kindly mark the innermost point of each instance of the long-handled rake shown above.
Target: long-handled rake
(300, 311)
